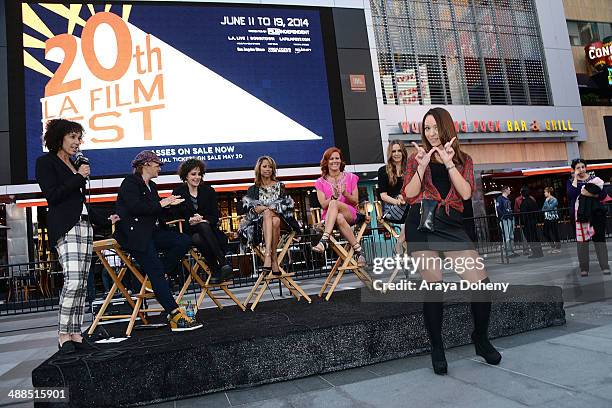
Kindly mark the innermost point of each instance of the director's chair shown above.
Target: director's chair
(345, 252)
(285, 278)
(205, 285)
(139, 308)
(381, 221)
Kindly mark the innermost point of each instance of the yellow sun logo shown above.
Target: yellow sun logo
(71, 13)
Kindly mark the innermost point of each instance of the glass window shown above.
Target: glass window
(574, 34)
(588, 32)
(605, 30)
(535, 81)
(497, 81)
(582, 33)
(463, 51)
(474, 82)
(516, 83)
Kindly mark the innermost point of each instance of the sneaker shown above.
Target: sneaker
(178, 321)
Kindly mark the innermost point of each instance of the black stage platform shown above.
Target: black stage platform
(281, 340)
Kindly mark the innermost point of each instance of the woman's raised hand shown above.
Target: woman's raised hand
(422, 157)
(447, 152)
(171, 200)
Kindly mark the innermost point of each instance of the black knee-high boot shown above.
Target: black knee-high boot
(433, 312)
(481, 312)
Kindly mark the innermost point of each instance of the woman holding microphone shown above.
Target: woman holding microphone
(62, 183)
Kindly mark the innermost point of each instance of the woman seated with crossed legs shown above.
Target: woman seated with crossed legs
(268, 207)
(338, 195)
(201, 210)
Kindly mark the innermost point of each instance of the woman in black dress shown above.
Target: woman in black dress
(201, 213)
(442, 172)
(390, 181)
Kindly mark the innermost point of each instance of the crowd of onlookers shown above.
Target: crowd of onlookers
(590, 200)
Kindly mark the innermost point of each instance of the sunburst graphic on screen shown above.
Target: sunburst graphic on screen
(71, 13)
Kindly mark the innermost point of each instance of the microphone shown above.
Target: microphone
(80, 159)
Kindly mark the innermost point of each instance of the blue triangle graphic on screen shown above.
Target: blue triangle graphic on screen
(166, 99)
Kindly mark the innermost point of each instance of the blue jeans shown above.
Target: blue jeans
(507, 227)
(174, 245)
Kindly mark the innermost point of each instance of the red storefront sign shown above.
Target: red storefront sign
(496, 126)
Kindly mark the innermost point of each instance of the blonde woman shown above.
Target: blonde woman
(390, 181)
(268, 206)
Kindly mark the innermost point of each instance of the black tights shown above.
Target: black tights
(205, 239)
(433, 311)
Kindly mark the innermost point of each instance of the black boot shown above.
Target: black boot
(216, 276)
(227, 272)
(481, 312)
(433, 311)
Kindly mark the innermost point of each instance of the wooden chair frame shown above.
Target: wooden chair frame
(205, 285)
(380, 220)
(263, 281)
(345, 261)
(128, 264)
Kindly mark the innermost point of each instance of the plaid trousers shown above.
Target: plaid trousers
(75, 253)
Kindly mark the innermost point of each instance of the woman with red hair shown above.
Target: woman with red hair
(338, 196)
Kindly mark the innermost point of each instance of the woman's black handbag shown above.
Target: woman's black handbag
(395, 214)
(428, 213)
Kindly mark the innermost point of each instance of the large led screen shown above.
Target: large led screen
(224, 84)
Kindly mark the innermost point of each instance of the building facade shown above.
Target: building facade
(504, 70)
(590, 22)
